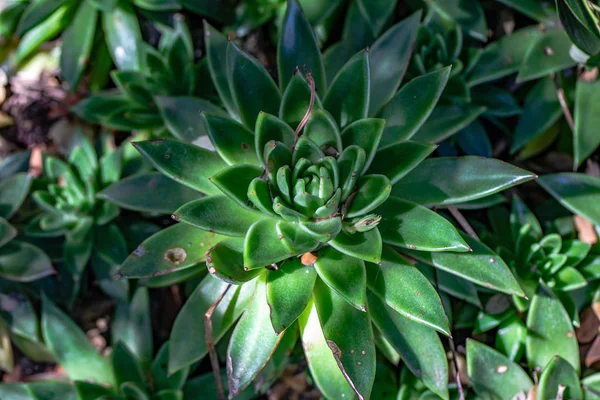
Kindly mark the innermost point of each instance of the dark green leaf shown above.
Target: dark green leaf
(404, 288)
(127, 368)
(269, 127)
(77, 42)
(549, 54)
(579, 22)
(585, 137)
(412, 105)
(71, 348)
(216, 55)
(181, 115)
(347, 98)
(494, 375)
(225, 261)
(365, 134)
(13, 191)
(174, 248)
(549, 331)
(322, 129)
(415, 227)
(217, 214)
(463, 179)
(418, 345)
(466, 13)
(576, 192)
(298, 48)
(234, 181)
(372, 191)
(139, 193)
(296, 100)
(362, 245)
(24, 262)
(252, 88)
(185, 163)
(408, 155)
(480, 265)
(446, 120)
(233, 141)
(389, 57)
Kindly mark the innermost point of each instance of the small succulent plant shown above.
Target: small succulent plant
(549, 268)
(152, 98)
(302, 226)
(69, 207)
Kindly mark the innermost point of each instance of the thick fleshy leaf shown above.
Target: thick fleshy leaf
(533, 9)
(252, 343)
(296, 100)
(77, 41)
(183, 162)
(217, 214)
(347, 98)
(418, 345)
(323, 230)
(269, 127)
(541, 111)
(422, 94)
(372, 191)
(174, 248)
(549, 54)
(161, 378)
(131, 324)
(557, 373)
(7, 232)
(591, 382)
(585, 136)
(233, 141)
(365, 134)
(184, 352)
(298, 48)
(322, 129)
(24, 262)
(71, 348)
(127, 368)
(389, 57)
(446, 120)
(322, 364)
(289, 290)
(355, 353)
(216, 55)
(234, 181)
(225, 261)
(13, 191)
(362, 245)
(350, 164)
(269, 241)
(549, 331)
(493, 374)
(579, 22)
(474, 140)
(579, 193)
(344, 274)
(480, 265)
(252, 88)
(406, 290)
(504, 56)
(464, 179)
(123, 36)
(138, 193)
(408, 153)
(413, 226)
(180, 115)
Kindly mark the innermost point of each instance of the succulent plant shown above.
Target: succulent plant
(550, 268)
(159, 97)
(302, 221)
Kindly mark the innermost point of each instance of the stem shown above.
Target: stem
(462, 221)
(210, 343)
(311, 82)
(563, 102)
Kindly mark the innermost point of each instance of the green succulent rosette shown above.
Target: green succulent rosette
(313, 204)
